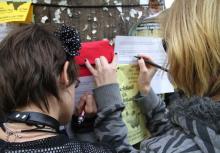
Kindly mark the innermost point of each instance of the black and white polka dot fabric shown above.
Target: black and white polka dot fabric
(70, 39)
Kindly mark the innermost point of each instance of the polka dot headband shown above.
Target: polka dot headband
(70, 39)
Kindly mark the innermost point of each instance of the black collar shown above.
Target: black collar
(34, 118)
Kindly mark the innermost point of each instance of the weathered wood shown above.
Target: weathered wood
(94, 23)
(89, 2)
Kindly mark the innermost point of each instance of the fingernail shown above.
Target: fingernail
(85, 60)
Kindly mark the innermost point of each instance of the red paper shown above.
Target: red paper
(91, 51)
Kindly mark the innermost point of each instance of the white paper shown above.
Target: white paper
(144, 2)
(168, 3)
(5, 29)
(86, 85)
(129, 46)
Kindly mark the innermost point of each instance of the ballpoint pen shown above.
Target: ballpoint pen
(81, 116)
(153, 64)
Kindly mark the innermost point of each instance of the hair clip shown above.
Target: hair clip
(70, 39)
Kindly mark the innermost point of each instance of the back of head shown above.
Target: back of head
(192, 33)
(31, 60)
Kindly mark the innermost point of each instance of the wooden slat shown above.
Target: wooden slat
(109, 19)
(109, 23)
(89, 2)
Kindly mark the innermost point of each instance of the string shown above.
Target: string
(94, 6)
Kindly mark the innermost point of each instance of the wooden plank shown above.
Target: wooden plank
(94, 23)
(95, 19)
(88, 2)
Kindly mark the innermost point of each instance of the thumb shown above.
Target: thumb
(142, 65)
(82, 103)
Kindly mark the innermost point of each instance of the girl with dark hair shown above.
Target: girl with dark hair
(37, 87)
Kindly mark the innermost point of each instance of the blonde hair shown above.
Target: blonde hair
(192, 33)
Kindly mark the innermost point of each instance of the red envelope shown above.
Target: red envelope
(91, 51)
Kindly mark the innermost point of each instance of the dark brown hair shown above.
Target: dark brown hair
(31, 61)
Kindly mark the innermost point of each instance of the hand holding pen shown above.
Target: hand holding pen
(147, 61)
(146, 73)
(86, 108)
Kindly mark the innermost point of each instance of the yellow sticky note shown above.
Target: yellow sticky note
(132, 116)
(15, 12)
(29, 17)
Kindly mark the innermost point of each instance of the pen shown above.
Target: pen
(153, 64)
(81, 116)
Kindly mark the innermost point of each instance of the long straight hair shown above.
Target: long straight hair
(192, 33)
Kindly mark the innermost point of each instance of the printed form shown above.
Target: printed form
(129, 46)
(87, 84)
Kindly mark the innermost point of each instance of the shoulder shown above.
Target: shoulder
(174, 140)
(59, 143)
(76, 146)
(87, 147)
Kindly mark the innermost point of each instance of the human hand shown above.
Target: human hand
(103, 72)
(88, 105)
(146, 74)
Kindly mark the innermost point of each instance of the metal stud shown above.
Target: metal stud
(23, 117)
(17, 116)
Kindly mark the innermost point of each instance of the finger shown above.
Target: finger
(93, 104)
(115, 60)
(89, 104)
(142, 65)
(79, 105)
(146, 57)
(89, 66)
(98, 64)
(82, 102)
(103, 61)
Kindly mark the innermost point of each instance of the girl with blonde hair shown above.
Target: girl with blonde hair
(192, 124)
